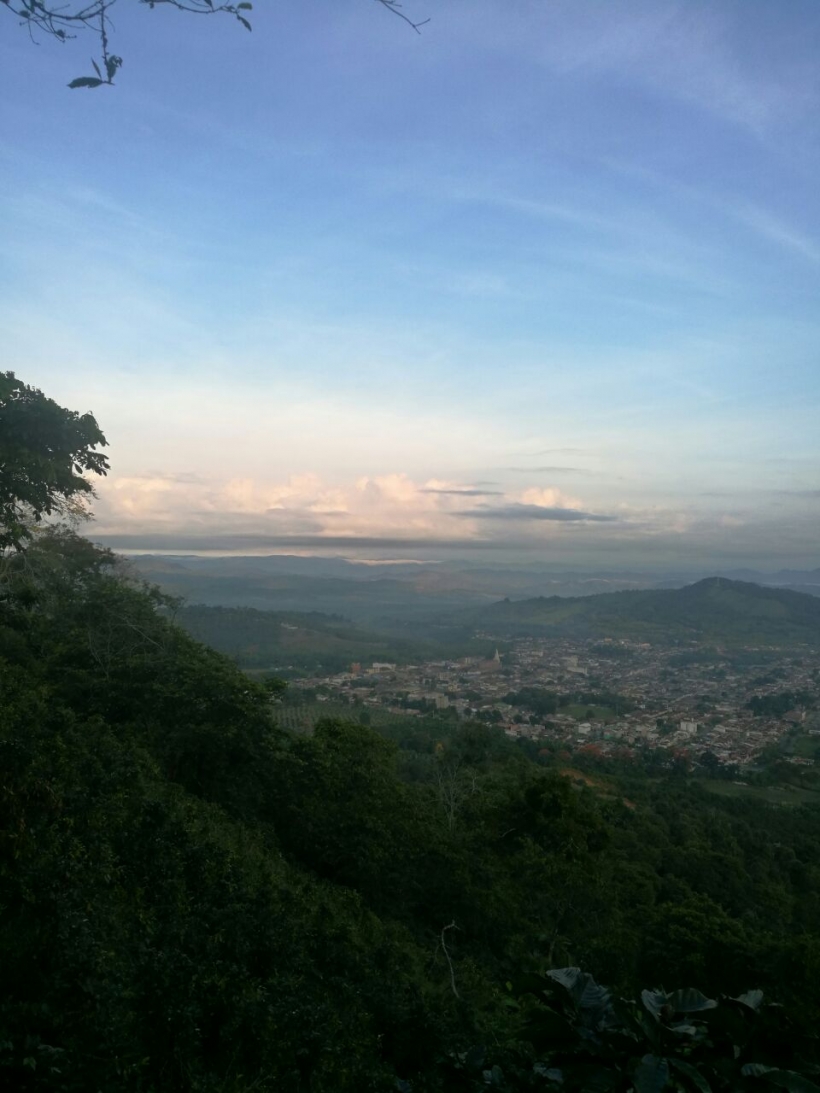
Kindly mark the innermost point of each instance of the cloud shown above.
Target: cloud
(549, 470)
(517, 511)
(254, 541)
(465, 491)
(391, 506)
(167, 499)
(386, 514)
(560, 451)
(372, 506)
(549, 498)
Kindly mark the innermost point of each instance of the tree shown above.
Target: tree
(45, 451)
(67, 20)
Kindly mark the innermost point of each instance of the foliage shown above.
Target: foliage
(193, 899)
(776, 705)
(537, 699)
(289, 640)
(152, 935)
(45, 451)
(584, 1039)
(64, 21)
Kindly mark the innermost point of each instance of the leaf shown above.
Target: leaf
(567, 977)
(693, 1074)
(685, 1030)
(96, 68)
(244, 7)
(552, 1074)
(752, 999)
(587, 995)
(493, 1077)
(86, 81)
(244, 22)
(593, 997)
(654, 1001)
(690, 1000)
(651, 1074)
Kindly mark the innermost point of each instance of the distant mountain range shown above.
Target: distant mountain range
(714, 610)
(796, 580)
(387, 598)
(390, 595)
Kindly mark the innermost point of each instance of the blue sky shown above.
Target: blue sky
(545, 277)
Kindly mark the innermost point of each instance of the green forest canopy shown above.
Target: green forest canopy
(45, 453)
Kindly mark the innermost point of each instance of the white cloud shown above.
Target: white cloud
(550, 498)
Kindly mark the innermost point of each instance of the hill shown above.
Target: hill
(715, 610)
(197, 899)
(281, 640)
(331, 587)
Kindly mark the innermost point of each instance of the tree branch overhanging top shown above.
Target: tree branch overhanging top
(68, 19)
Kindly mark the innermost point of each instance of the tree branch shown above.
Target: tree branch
(68, 20)
(395, 7)
(450, 926)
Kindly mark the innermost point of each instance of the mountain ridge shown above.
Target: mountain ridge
(713, 609)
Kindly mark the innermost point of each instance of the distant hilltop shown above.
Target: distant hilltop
(715, 609)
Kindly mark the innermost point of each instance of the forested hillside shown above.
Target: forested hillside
(712, 610)
(314, 642)
(193, 898)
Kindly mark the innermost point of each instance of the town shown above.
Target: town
(606, 697)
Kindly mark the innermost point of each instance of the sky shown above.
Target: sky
(542, 280)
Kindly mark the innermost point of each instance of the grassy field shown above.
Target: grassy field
(771, 795)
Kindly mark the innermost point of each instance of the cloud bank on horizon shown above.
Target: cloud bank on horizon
(543, 278)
